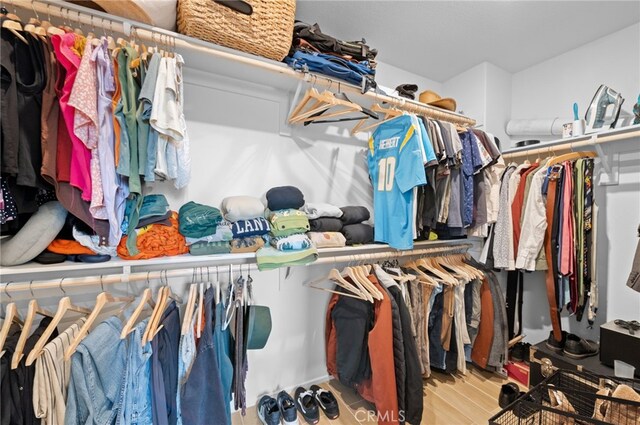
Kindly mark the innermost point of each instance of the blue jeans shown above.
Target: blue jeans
(186, 357)
(202, 400)
(97, 371)
(222, 340)
(164, 367)
(437, 355)
(136, 386)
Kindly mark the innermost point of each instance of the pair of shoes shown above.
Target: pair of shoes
(520, 352)
(270, 410)
(572, 346)
(308, 401)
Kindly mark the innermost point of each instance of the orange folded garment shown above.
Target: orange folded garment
(67, 247)
(156, 240)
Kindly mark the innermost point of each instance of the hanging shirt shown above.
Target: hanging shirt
(395, 167)
(84, 98)
(114, 191)
(80, 167)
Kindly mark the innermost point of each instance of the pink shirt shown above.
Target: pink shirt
(80, 176)
(84, 98)
(567, 255)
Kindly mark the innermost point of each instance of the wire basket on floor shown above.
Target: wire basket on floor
(580, 398)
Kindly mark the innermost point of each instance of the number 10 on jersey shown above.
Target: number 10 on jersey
(386, 173)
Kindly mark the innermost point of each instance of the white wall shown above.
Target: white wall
(391, 76)
(549, 89)
(484, 94)
(468, 89)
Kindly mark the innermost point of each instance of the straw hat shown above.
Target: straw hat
(432, 98)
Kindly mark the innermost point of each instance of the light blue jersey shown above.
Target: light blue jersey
(396, 166)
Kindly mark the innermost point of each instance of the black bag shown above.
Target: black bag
(311, 34)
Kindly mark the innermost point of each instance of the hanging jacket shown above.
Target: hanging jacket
(413, 395)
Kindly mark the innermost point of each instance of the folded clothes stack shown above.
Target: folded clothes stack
(156, 240)
(289, 243)
(354, 229)
(204, 228)
(325, 225)
(249, 228)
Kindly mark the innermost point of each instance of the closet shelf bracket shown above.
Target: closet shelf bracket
(610, 171)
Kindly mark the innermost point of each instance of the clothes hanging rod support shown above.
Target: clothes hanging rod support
(151, 34)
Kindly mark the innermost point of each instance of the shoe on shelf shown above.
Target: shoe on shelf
(268, 411)
(520, 352)
(579, 348)
(554, 345)
(327, 401)
(508, 394)
(287, 408)
(307, 405)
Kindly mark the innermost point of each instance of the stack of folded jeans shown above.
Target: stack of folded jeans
(249, 228)
(203, 229)
(354, 229)
(289, 243)
(325, 225)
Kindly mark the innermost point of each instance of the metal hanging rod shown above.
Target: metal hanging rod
(9, 288)
(143, 32)
(589, 140)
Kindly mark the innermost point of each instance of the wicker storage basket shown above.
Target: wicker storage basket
(267, 31)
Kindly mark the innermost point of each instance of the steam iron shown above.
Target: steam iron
(604, 109)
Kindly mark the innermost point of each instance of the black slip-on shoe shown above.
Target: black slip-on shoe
(554, 345)
(579, 348)
(327, 401)
(508, 394)
(307, 405)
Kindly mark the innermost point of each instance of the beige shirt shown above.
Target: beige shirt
(534, 223)
(52, 377)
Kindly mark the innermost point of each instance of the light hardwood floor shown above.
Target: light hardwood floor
(448, 400)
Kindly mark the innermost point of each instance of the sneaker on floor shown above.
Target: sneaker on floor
(327, 401)
(268, 411)
(307, 405)
(287, 408)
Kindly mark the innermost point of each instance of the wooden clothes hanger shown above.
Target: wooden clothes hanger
(422, 276)
(571, 156)
(32, 310)
(322, 102)
(145, 299)
(64, 306)
(389, 114)
(351, 273)
(189, 307)
(335, 276)
(103, 299)
(164, 297)
(12, 23)
(362, 272)
(11, 316)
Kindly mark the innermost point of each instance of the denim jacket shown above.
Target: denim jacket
(97, 370)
